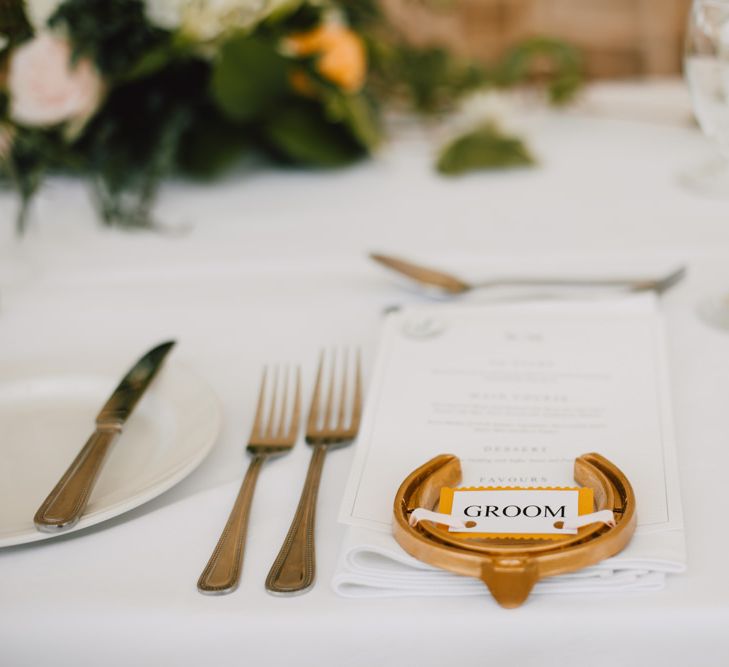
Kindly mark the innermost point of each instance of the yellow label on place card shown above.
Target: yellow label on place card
(515, 512)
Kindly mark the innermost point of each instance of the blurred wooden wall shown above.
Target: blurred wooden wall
(618, 38)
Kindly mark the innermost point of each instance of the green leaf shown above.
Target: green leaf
(357, 113)
(210, 146)
(303, 134)
(151, 62)
(484, 148)
(297, 14)
(249, 78)
(557, 63)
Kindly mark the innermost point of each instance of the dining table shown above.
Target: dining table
(271, 264)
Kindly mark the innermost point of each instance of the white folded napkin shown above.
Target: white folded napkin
(373, 565)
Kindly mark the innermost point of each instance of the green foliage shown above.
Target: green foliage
(249, 78)
(298, 16)
(432, 79)
(557, 63)
(13, 22)
(429, 79)
(133, 142)
(357, 113)
(113, 33)
(34, 152)
(153, 61)
(300, 134)
(484, 148)
(177, 105)
(362, 15)
(211, 145)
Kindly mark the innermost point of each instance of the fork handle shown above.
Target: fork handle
(222, 573)
(294, 569)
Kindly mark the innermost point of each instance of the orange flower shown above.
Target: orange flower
(341, 51)
(301, 82)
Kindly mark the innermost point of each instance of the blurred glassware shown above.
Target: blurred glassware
(706, 64)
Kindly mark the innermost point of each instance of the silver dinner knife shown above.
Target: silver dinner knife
(64, 505)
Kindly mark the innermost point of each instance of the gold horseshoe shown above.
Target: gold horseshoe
(510, 568)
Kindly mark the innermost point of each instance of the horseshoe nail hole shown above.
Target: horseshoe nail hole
(470, 524)
(559, 525)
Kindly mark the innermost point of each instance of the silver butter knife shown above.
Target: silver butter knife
(64, 505)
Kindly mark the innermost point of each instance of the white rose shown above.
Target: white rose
(165, 14)
(207, 20)
(39, 11)
(47, 88)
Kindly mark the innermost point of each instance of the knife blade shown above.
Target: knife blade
(66, 503)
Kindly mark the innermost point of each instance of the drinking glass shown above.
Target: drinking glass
(706, 65)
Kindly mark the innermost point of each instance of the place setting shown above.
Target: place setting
(495, 397)
(179, 423)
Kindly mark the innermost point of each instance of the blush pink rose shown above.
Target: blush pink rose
(47, 88)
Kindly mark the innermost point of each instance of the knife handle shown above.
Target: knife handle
(64, 505)
(294, 569)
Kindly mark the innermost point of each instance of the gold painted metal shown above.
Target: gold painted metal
(294, 569)
(450, 284)
(65, 504)
(510, 567)
(272, 438)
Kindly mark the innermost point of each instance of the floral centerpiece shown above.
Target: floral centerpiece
(129, 91)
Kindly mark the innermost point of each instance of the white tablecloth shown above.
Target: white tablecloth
(273, 266)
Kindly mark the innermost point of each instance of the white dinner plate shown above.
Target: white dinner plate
(45, 418)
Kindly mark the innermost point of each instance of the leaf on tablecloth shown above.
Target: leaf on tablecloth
(484, 148)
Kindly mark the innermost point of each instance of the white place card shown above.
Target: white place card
(513, 512)
(517, 391)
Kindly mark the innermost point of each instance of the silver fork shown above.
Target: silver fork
(222, 573)
(294, 569)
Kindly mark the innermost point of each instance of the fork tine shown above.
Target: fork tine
(357, 401)
(296, 410)
(257, 422)
(272, 412)
(312, 422)
(329, 408)
(343, 391)
(284, 397)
